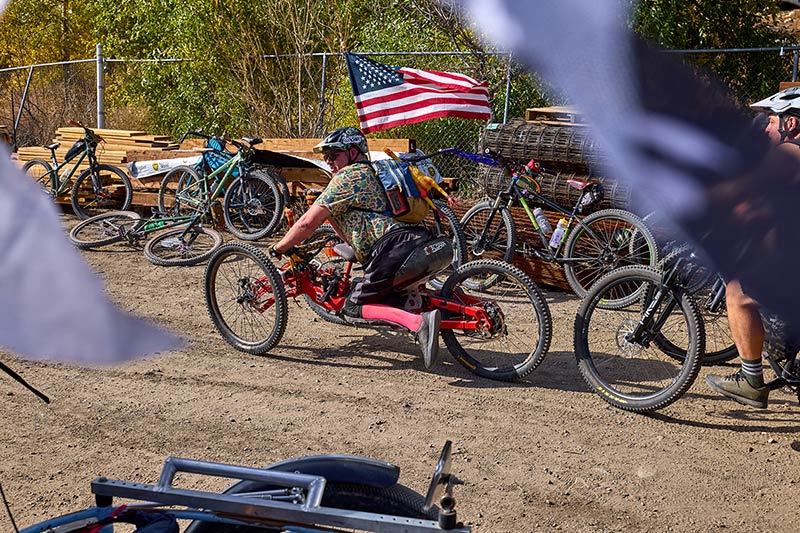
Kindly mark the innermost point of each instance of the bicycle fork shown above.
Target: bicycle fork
(649, 325)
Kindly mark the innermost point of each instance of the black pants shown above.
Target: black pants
(385, 258)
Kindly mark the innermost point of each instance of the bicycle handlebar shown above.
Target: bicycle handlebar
(198, 133)
(87, 131)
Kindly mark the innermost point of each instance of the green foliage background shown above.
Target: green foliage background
(225, 83)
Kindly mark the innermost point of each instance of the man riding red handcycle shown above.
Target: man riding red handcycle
(500, 328)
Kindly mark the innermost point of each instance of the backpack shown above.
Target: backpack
(407, 189)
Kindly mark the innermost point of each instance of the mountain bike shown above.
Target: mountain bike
(97, 189)
(502, 331)
(189, 242)
(311, 494)
(642, 356)
(590, 246)
(252, 201)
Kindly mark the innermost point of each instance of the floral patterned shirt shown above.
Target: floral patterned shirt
(357, 202)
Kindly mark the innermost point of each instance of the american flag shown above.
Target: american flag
(388, 96)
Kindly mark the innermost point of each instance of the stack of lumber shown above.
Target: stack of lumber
(116, 150)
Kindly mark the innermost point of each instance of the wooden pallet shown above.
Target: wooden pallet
(556, 114)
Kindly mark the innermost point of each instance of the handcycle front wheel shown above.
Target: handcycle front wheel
(245, 298)
(630, 374)
(104, 229)
(178, 247)
(100, 189)
(514, 338)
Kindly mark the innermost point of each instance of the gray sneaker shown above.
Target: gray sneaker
(428, 337)
(736, 387)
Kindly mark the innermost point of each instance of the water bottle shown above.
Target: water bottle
(558, 234)
(544, 224)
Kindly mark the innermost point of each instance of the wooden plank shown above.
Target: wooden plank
(788, 84)
(560, 114)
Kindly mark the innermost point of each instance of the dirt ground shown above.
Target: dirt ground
(543, 454)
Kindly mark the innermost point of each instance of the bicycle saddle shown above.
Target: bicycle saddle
(580, 184)
(51, 146)
(252, 141)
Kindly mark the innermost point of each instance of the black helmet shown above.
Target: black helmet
(342, 139)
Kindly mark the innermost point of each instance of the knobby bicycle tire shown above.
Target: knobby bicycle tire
(41, 171)
(253, 205)
(610, 247)
(239, 279)
(114, 191)
(719, 345)
(522, 325)
(172, 248)
(635, 376)
(102, 230)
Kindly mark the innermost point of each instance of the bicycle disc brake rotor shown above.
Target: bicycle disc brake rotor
(625, 346)
(497, 323)
(249, 293)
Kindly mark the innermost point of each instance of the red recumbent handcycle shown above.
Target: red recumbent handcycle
(495, 320)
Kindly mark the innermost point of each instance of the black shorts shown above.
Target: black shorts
(385, 258)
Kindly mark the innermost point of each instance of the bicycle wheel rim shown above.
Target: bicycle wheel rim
(174, 248)
(103, 229)
(521, 324)
(629, 375)
(607, 240)
(111, 191)
(499, 242)
(253, 206)
(245, 298)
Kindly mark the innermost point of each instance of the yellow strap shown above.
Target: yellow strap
(424, 182)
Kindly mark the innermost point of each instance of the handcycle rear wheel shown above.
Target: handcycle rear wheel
(630, 375)
(239, 283)
(324, 261)
(253, 205)
(102, 230)
(521, 327)
(173, 248)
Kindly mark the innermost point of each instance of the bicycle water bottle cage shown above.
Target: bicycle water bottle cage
(424, 262)
(581, 184)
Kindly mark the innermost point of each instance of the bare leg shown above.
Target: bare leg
(747, 328)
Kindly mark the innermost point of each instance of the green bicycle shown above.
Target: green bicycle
(97, 189)
(252, 201)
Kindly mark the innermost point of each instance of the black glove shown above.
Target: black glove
(273, 252)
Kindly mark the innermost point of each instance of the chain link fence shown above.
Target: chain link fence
(304, 95)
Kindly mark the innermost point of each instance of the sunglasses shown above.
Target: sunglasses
(330, 155)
